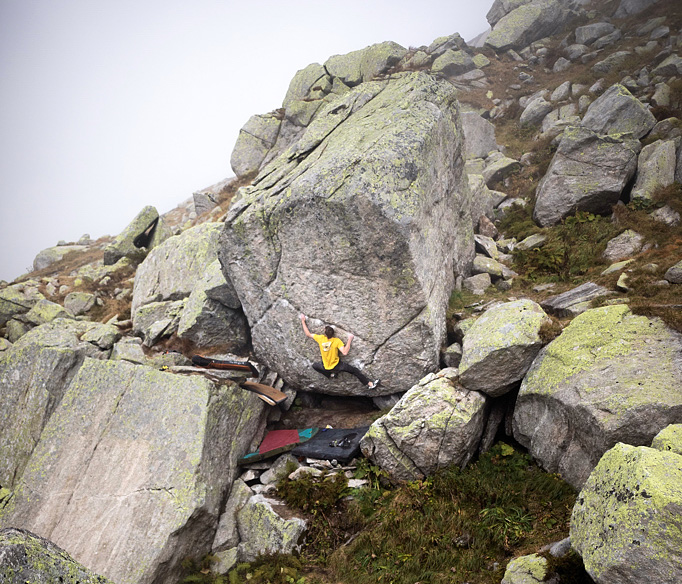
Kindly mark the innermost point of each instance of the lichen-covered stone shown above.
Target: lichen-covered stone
(501, 8)
(588, 173)
(156, 320)
(78, 303)
(655, 168)
(618, 112)
(500, 346)
(172, 269)
(669, 439)
(45, 311)
(26, 558)
(227, 534)
(586, 35)
(124, 246)
(498, 167)
(435, 424)
(530, 569)
(363, 65)
(303, 81)
(263, 531)
(360, 224)
(669, 67)
(255, 140)
(535, 112)
(623, 246)
(453, 63)
(129, 448)
(627, 520)
(18, 299)
(610, 376)
(674, 273)
(527, 23)
(52, 255)
(479, 136)
(574, 302)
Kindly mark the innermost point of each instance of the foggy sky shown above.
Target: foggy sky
(110, 105)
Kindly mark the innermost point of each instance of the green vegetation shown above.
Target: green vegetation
(462, 524)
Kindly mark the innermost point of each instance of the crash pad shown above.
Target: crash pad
(277, 442)
(337, 444)
(268, 394)
(210, 363)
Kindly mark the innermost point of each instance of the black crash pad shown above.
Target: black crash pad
(341, 444)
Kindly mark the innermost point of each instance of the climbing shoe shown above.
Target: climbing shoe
(374, 384)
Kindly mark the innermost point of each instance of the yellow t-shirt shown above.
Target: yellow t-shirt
(329, 349)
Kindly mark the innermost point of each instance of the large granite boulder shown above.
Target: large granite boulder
(669, 439)
(617, 111)
(52, 255)
(254, 142)
(500, 346)
(361, 224)
(479, 136)
(171, 270)
(586, 35)
(33, 379)
(588, 173)
(609, 377)
(629, 7)
(501, 8)
(452, 63)
(435, 424)
(29, 558)
(527, 23)
(132, 468)
(145, 232)
(304, 81)
(655, 168)
(363, 65)
(627, 521)
(18, 299)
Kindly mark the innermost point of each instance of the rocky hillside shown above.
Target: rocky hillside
(498, 227)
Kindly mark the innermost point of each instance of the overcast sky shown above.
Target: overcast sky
(110, 105)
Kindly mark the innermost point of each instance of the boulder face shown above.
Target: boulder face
(500, 346)
(435, 424)
(627, 521)
(360, 224)
(26, 557)
(617, 111)
(609, 377)
(126, 243)
(129, 447)
(588, 173)
(527, 23)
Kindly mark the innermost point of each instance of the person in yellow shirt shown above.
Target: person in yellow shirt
(330, 346)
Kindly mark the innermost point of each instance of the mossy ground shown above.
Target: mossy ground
(458, 525)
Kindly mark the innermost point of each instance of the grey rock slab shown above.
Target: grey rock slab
(26, 557)
(588, 173)
(157, 319)
(527, 23)
(362, 225)
(18, 299)
(478, 284)
(650, 25)
(535, 112)
(623, 246)
(575, 301)
(607, 40)
(662, 95)
(171, 271)
(487, 265)
(531, 242)
(255, 140)
(435, 424)
(129, 349)
(669, 67)
(631, 7)
(617, 111)
(303, 82)
(637, 490)
(124, 243)
(363, 65)
(498, 168)
(655, 168)
(45, 311)
(479, 136)
(129, 446)
(586, 35)
(562, 92)
(500, 346)
(52, 255)
(453, 63)
(263, 530)
(207, 199)
(501, 8)
(66, 333)
(617, 267)
(666, 215)
(610, 377)
(441, 44)
(78, 303)
(227, 534)
(674, 273)
(575, 51)
(279, 469)
(487, 246)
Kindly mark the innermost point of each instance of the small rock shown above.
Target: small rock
(674, 273)
(477, 284)
(623, 246)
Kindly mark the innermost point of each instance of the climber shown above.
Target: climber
(330, 346)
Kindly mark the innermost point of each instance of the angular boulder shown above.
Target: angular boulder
(52, 255)
(147, 224)
(29, 558)
(609, 377)
(18, 299)
(588, 173)
(171, 270)
(501, 8)
(361, 225)
(586, 35)
(574, 302)
(453, 63)
(655, 168)
(627, 520)
(479, 136)
(669, 439)
(435, 424)
(500, 346)
(127, 448)
(254, 142)
(674, 273)
(625, 245)
(527, 23)
(303, 82)
(617, 111)
(357, 66)
(526, 570)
